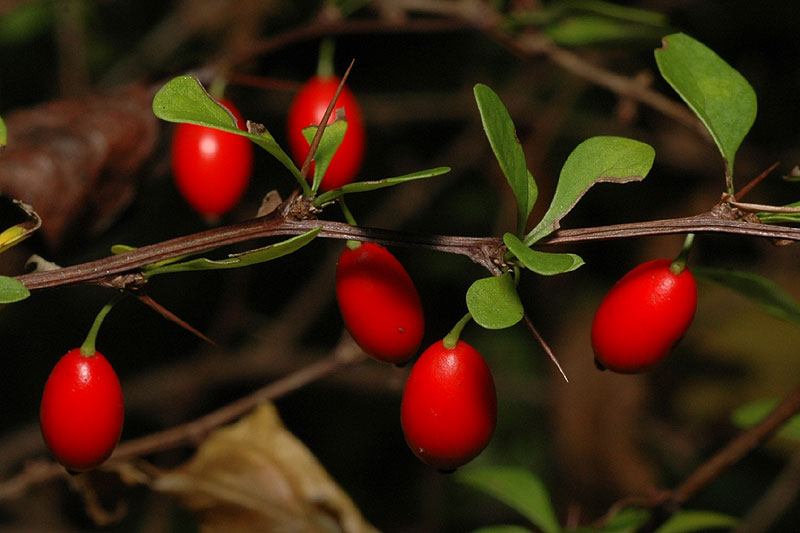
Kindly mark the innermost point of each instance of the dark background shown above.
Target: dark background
(592, 441)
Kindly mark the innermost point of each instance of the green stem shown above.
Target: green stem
(679, 263)
(348, 216)
(327, 47)
(217, 87)
(88, 347)
(451, 339)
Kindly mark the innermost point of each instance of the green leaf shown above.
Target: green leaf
(502, 137)
(3, 134)
(687, 521)
(769, 296)
(616, 11)
(183, 99)
(720, 96)
(25, 22)
(502, 529)
(628, 520)
(261, 255)
(776, 218)
(750, 414)
(328, 144)
(597, 159)
(364, 186)
(543, 263)
(494, 303)
(519, 489)
(583, 30)
(12, 290)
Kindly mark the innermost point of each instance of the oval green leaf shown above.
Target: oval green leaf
(3, 134)
(12, 290)
(689, 521)
(494, 303)
(543, 263)
(768, 295)
(720, 97)
(184, 99)
(519, 489)
(364, 186)
(597, 159)
(750, 414)
(502, 136)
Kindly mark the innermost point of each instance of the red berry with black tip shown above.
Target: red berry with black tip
(307, 108)
(211, 167)
(643, 316)
(81, 414)
(449, 406)
(379, 303)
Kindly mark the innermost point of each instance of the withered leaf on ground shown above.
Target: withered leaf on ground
(256, 476)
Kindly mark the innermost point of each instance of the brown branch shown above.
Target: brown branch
(122, 269)
(746, 441)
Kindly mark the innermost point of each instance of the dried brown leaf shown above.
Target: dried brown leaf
(73, 159)
(256, 476)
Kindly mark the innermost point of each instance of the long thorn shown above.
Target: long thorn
(755, 181)
(545, 346)
(169, 315)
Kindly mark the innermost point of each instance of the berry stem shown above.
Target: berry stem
(679, 263)
(451, 339)
(88, 347)
(348, 216)
(325, 68)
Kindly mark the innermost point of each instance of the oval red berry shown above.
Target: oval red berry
(211, 167)
(643, 316)
(307, 108)
(449, 406)
(82, 412)
(379, 303)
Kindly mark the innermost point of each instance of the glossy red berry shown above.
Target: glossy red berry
(643, 316)
(307, 108)
(379, 303)
(82, 412)
(211, 167)
(449, 406)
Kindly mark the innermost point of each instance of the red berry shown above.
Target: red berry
(211, 167)
(379, 303)
(643, 316)
(449, 406)
(307, 108)
(82, 412)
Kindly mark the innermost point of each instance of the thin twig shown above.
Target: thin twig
(544, 345)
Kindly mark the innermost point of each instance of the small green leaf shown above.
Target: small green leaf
(543, 263)
(769, 296)
(583, 30)
(502, 137)
(688, 521)
(328, 144)
(260, 255)
(628, 520)
(494, 303)
(12, 290)
(597, 159)
(502, 529)
(750, 414)
(364, 186)
(183, 99)
(519, 489)
(3, 134)
(720, 96)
